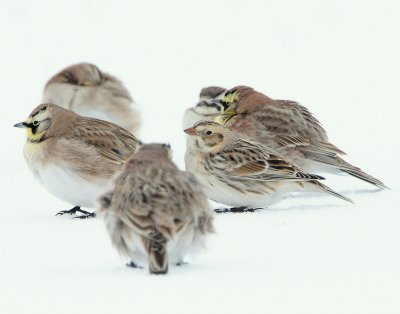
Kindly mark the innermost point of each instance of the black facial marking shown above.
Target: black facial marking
(204, 103)
(41, 109)
(28, 125)
(224, 104)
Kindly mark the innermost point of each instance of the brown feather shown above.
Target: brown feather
(287, 127)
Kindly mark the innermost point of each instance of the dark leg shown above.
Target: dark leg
(85, 215)
(72, 211)
(76, 209)
(241, 209)
(133, 265)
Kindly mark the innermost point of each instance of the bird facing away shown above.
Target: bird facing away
(207, 108)
(90, 92)
(75, 158)
(242, 173)
(156, 212)
(287, 127)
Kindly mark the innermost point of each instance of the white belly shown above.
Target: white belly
(61, 181)
(224, 194)
(71, 188)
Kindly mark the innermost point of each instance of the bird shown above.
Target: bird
(156, 213)
(287, 127)
(88, 91)
(75, 158)
(207, 108)
(242, 173)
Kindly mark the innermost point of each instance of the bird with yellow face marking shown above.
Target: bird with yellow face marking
(287, 127)
(90, 92)
(207, 108)
(75, 158)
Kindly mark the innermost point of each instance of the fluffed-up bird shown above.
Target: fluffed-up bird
(287, 127)
(207, 108)
(156, 213)
(242, 173)
(89, 92)
(75, 158)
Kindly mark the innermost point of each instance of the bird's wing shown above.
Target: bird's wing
(255, 161)
(308, 130)
(110, 140)
(303, 121)
(155, 198)
(282, 124)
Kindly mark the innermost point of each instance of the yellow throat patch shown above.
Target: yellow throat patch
(30, 136)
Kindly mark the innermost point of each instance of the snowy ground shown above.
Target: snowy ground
(304, 255)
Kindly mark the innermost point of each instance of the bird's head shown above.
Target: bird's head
(209, 101)
(230, 103)
(40, 122)
(153, 152)
(82, 74)
(209, 136)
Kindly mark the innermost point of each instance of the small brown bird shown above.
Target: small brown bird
(207, 108)
(155, 212)
(75, 158)
(242, 173)
(287, 127)
(90, 92)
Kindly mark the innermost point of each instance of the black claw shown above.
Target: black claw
(76, 209)
(133, 265)
(72, 211)
(221, 210)
(181, 263)
(86, 215)
(241, 209)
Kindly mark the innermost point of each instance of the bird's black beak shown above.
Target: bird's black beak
(22, 125)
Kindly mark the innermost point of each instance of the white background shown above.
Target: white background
(304, 255)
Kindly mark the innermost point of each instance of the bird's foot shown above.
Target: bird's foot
(76, 209)
(72, 211)
(85, 215)
(240, 209)
(181, 263)
(133, 265)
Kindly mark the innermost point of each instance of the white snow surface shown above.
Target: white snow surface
(304, 255)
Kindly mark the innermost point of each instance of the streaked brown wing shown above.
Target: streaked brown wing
(251, 168)
(111, 141)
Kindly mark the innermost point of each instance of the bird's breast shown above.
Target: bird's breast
(35, 154)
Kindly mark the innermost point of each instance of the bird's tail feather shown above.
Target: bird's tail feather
(342, 165)
(358, 173)
(156, 248)
(327, 189)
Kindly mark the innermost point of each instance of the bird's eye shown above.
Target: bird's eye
(35, 123)
(209, 132)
